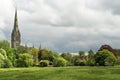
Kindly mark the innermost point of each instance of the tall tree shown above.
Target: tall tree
(81, 53)
(4, 44)
(90, 54)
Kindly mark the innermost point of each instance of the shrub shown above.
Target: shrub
(1, 57)
(90, 62)
(44, 63)
(105, 58)
(109, 61)
(3, 52)
(59, 62)
(79, 62)
(24, 60)
(7, 63)
(1, 63)
(118, 60)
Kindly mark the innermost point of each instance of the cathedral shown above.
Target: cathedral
(15, 36)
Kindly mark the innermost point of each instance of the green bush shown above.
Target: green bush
(90, 62)
(7, 63)
(1, 63)
(59, 62)
(105, 58)
(1, 57)
(3, 52)
(79, 62)
(44, 63)
(24, 60)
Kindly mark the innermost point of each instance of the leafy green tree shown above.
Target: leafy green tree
(24, 60)
(79, 62)
(67, 56)
(22, 49)
(117, 52)
(91, 59)
(34, 53)
(4, 44)
(3, 52)
(46, 54)
(105, 58)
(81, 53)
(91, 54)
(118, 60)
(11, 55)
(59, 62)
(7, 63)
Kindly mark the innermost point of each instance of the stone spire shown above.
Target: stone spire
(15, 36)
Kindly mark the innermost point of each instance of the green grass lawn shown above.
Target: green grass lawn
(61, 73)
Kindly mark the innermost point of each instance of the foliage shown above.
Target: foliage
(34, 53)
(45, 54)
(44, 63)
(105, 58)
(22, 49)
(24, 60)
(59, 62)
(79, 62)
(118, 60)
(1, 57)
(1, 63)
(90, 54)
(81, 53)
(4, 44)
(117, 52)
(7, 63)
(67, 56)
(90, 62)
(11, 55)
(91, 59)
(3, 52)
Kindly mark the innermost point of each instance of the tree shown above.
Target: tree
(3, 52)
(67, 56)
(105, 58)
(59, 62)
(4, 44)
(117, 52)
(24, 60)
(90, 54)
(12, 56)
(22, 49)
(34, 53)
(46, 54)
(81, 53)
(91, 59)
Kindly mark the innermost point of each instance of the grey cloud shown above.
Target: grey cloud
(64, 25)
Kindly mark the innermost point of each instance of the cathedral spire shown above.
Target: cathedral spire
(15, 36)
(16, 20)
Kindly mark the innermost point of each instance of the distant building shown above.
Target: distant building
(15, 36)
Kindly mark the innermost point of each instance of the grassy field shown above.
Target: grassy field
(61, 73)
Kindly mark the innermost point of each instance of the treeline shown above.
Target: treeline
(24, 56)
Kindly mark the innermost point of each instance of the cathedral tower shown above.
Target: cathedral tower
(15, 36)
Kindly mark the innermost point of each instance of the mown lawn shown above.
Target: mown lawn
(61, 73)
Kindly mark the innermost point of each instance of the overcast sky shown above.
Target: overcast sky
(63, 25)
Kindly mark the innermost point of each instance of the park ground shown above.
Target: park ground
(61, 73)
